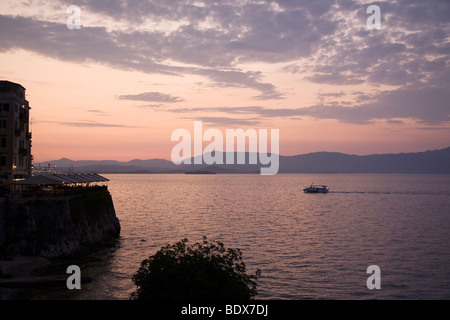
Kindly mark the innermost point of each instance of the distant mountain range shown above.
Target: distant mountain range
(433, 161)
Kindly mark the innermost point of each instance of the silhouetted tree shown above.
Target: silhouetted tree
(202, 271)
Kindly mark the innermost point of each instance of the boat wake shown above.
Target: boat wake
(361, 192)
(394, 192)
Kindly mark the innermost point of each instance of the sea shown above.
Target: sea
(307, 246)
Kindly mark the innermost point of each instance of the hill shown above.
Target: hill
(432, 161)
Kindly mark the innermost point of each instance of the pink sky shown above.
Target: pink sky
(118, 87)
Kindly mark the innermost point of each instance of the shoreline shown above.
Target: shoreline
(22, 273)
(19, 269)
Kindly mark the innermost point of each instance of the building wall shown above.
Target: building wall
(15, 135)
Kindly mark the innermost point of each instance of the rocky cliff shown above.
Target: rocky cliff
(58, 226)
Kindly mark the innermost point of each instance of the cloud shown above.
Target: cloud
(427, 105)
(129, 51)
(95, 124)
(331, 94)
(151, 96)
(237, 78)
(227, 121)
(323, 41)
(400, 54)
(216, 37)
(86, 124)
(98, 112)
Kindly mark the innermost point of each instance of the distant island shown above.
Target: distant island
(200, 172)
(432, 162)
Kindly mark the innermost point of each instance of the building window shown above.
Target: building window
(2, 142)
(4, 107)
(3, 123)
(2, 160)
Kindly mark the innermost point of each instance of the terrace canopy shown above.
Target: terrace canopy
(62, 179)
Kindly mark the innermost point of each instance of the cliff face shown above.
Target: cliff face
(58, 226)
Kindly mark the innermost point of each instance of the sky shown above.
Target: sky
(135, 71)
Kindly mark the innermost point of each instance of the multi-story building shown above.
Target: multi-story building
(15, 135)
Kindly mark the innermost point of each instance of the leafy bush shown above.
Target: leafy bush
(202, 271)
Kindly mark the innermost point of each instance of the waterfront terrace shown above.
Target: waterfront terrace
(55, 184)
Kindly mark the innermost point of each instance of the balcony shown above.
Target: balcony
(28, 135)
(23, 151)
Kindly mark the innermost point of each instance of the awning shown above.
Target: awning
(60, 179)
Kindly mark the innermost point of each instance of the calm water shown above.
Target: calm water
(308, 246)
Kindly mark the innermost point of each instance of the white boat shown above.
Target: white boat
(316, 188)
